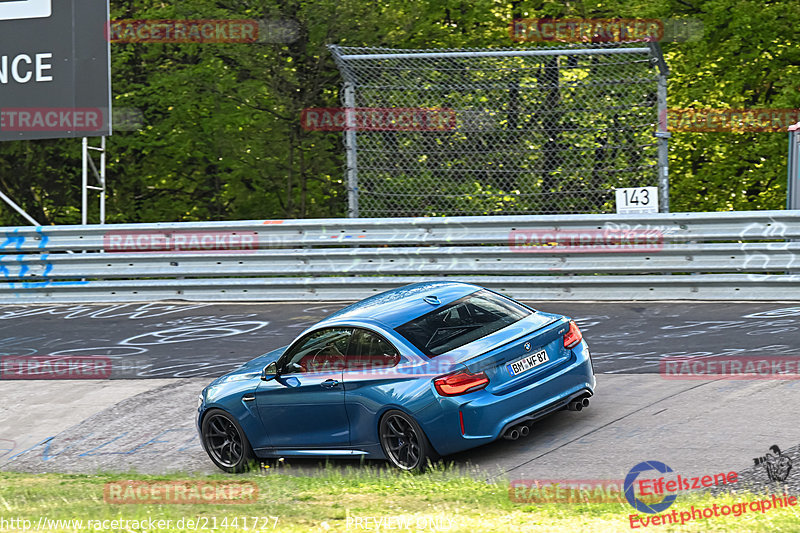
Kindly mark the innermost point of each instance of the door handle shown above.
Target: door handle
(329, 384)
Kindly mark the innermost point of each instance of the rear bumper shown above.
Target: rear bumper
(486, 416)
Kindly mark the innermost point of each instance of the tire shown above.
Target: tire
(403, 442)
(225, 442)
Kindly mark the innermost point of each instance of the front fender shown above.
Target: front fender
(229, 396)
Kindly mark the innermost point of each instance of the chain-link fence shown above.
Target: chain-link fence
(500, 131)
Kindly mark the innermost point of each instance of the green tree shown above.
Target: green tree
(222, 137)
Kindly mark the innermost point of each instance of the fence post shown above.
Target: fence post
(351, 148)
(662, 129)
(793, 178)
(84, 181)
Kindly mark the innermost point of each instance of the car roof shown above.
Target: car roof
(396, 307)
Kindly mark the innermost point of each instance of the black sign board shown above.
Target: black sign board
(55, 76)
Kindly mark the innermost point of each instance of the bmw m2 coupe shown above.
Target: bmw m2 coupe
(408, 375)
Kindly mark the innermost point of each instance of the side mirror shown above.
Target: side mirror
(270, 372)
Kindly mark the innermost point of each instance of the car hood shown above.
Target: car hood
(251, 369)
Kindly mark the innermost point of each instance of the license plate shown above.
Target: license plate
(526, 363)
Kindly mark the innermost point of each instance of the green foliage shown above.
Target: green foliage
(748, 57)
(222, 139)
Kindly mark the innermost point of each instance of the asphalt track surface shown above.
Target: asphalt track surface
(175, 340)
(129, 423)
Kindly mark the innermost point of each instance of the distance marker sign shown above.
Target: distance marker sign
(632, 200)
(54, 69)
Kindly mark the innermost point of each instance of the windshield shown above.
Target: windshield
(463, 321)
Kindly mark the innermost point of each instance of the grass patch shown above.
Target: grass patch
(332, 500)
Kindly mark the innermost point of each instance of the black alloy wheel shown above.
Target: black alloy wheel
(225, 442)
(404, 442)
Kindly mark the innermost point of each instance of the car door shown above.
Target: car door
(304, 406)
(370, 382)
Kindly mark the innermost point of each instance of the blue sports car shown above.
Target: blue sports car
(406, 375)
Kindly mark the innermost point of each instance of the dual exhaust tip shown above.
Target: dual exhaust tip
(523, 430)
(515, 432)
(579, 404)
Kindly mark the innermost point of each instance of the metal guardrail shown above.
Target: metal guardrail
(730, 255)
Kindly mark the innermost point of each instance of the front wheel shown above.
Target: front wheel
(225, 442)
(404, 442)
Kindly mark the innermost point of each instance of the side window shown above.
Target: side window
(319, 351)
(369, 350)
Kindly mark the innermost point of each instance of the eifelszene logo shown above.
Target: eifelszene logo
(630, 495)
(777, 464)
(652, 488)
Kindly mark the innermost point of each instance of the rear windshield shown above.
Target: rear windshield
(463, 321)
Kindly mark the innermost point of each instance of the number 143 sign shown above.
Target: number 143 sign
(637, 200)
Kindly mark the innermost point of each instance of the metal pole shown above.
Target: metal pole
(663, 136)
(662, 129)
(498, 53)
(351, 150)
(793, 178)
(85, 181)
(103, 181)
(18, 209)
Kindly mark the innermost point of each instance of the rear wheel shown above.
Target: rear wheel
(404, 442)
(225, 442)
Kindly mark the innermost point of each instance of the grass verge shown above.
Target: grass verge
(351, 499)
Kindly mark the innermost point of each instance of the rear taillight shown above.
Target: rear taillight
(573, 336)
(460, 383)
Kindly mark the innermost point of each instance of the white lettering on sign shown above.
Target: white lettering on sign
(24, 68)
(26, 9)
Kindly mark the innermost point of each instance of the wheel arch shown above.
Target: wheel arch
(386, 409)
